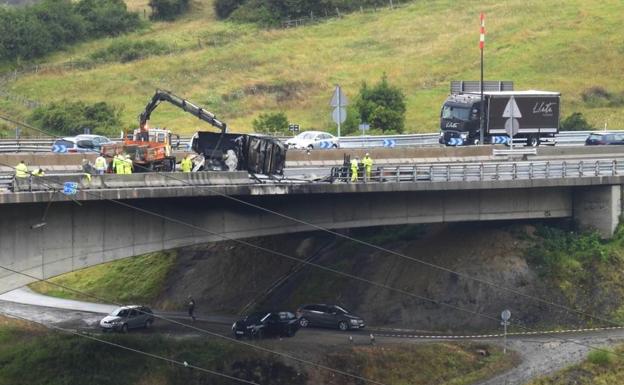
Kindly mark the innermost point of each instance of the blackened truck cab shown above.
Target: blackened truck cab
(536, 112)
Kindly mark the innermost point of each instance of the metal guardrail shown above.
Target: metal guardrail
(564, 138)
(485, 171)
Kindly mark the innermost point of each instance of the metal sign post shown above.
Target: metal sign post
(339, 102)
(505, 316)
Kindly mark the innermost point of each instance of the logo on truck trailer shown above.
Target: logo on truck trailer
(544, 108)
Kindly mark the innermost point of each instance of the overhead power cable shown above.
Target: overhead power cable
(403, 292)
(138, 351)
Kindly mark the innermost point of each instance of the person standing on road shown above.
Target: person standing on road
(190, 303)
(21, 170)
(187, 164)
(368, 166)
(354, 169)
(118, 164)
(127, 164)
(100, 165)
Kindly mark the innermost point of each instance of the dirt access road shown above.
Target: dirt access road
(541, 355)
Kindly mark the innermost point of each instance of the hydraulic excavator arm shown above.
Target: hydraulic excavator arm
(162, 95)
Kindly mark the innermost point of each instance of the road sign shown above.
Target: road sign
(59, 148)
(506, 315)
(70, 188)
(364, 126)
(293, 127)
(500, 139)
(339, 115)
(455, 142)
(389, 142)
(326, 144)
(512, 113)
(339, 99)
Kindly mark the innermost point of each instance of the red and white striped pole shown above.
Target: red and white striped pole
(481, 113)
(482, 36)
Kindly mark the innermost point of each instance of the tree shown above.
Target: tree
(575, 122)
(167, 9)
(70, 118)
(382, 106)
(224, 8)
(271, 123)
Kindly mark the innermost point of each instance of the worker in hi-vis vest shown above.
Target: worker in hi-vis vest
(354, 169)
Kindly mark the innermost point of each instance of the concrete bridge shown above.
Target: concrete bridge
(115, 217)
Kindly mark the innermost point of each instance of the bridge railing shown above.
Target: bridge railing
(491, 171)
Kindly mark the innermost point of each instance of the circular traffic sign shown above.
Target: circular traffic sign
(506, 315)
(512, 126)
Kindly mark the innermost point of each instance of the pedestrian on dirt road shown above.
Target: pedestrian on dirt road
(190, 303)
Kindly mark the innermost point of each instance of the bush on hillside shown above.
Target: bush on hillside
(271, 123)
(70, 118)
(127, 50)
(271, 12)
(575, 122)
(34, 31)
(382, 107)
(167, 9)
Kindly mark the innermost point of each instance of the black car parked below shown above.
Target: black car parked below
(260, 324)
(332, 316)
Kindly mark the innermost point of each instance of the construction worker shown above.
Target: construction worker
(127, 165)
(118, 164)
(187, 164)
(21, 170)
(368, 165)
(354, 169)
(39, 172)
(100, 165)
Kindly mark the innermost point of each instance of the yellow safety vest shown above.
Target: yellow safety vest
(100, 163)
(21, 171)
(186, 165)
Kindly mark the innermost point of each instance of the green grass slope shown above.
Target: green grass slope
(239, 71)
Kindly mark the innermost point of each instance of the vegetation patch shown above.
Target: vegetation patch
(71, 118)
(442, 364)
(599, 97)
(131, 280)
(600, 367)
(125, 50)
(585, 268)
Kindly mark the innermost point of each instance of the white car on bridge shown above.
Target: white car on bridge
(308, 140)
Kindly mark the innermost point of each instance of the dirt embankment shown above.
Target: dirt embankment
(224, 277)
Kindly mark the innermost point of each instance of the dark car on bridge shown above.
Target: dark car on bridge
(128, 317)
(604, 138)
(331, 316)
(266, 323)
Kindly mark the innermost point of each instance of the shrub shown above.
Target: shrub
(382, 107)
(601, 357)
(70, 118)
(127, 50)
(167, 9)
(224, 8)
(271, 123)
(575, 122)
(33, 31)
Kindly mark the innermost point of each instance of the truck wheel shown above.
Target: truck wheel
(533, 141)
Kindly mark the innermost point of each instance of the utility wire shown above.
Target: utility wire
(144, 353)
(401, 255)
(384, 286)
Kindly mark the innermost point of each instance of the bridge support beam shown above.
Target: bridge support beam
(598, 208)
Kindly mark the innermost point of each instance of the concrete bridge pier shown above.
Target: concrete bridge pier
(598, 208)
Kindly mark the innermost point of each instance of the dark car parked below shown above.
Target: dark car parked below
(604, 138)
(332, 316)
(267, 323)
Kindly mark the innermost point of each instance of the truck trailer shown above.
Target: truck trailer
(536, 115)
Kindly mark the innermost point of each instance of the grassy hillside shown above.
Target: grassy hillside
(238, 71)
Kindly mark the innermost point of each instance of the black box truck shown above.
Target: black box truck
(532, 115)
